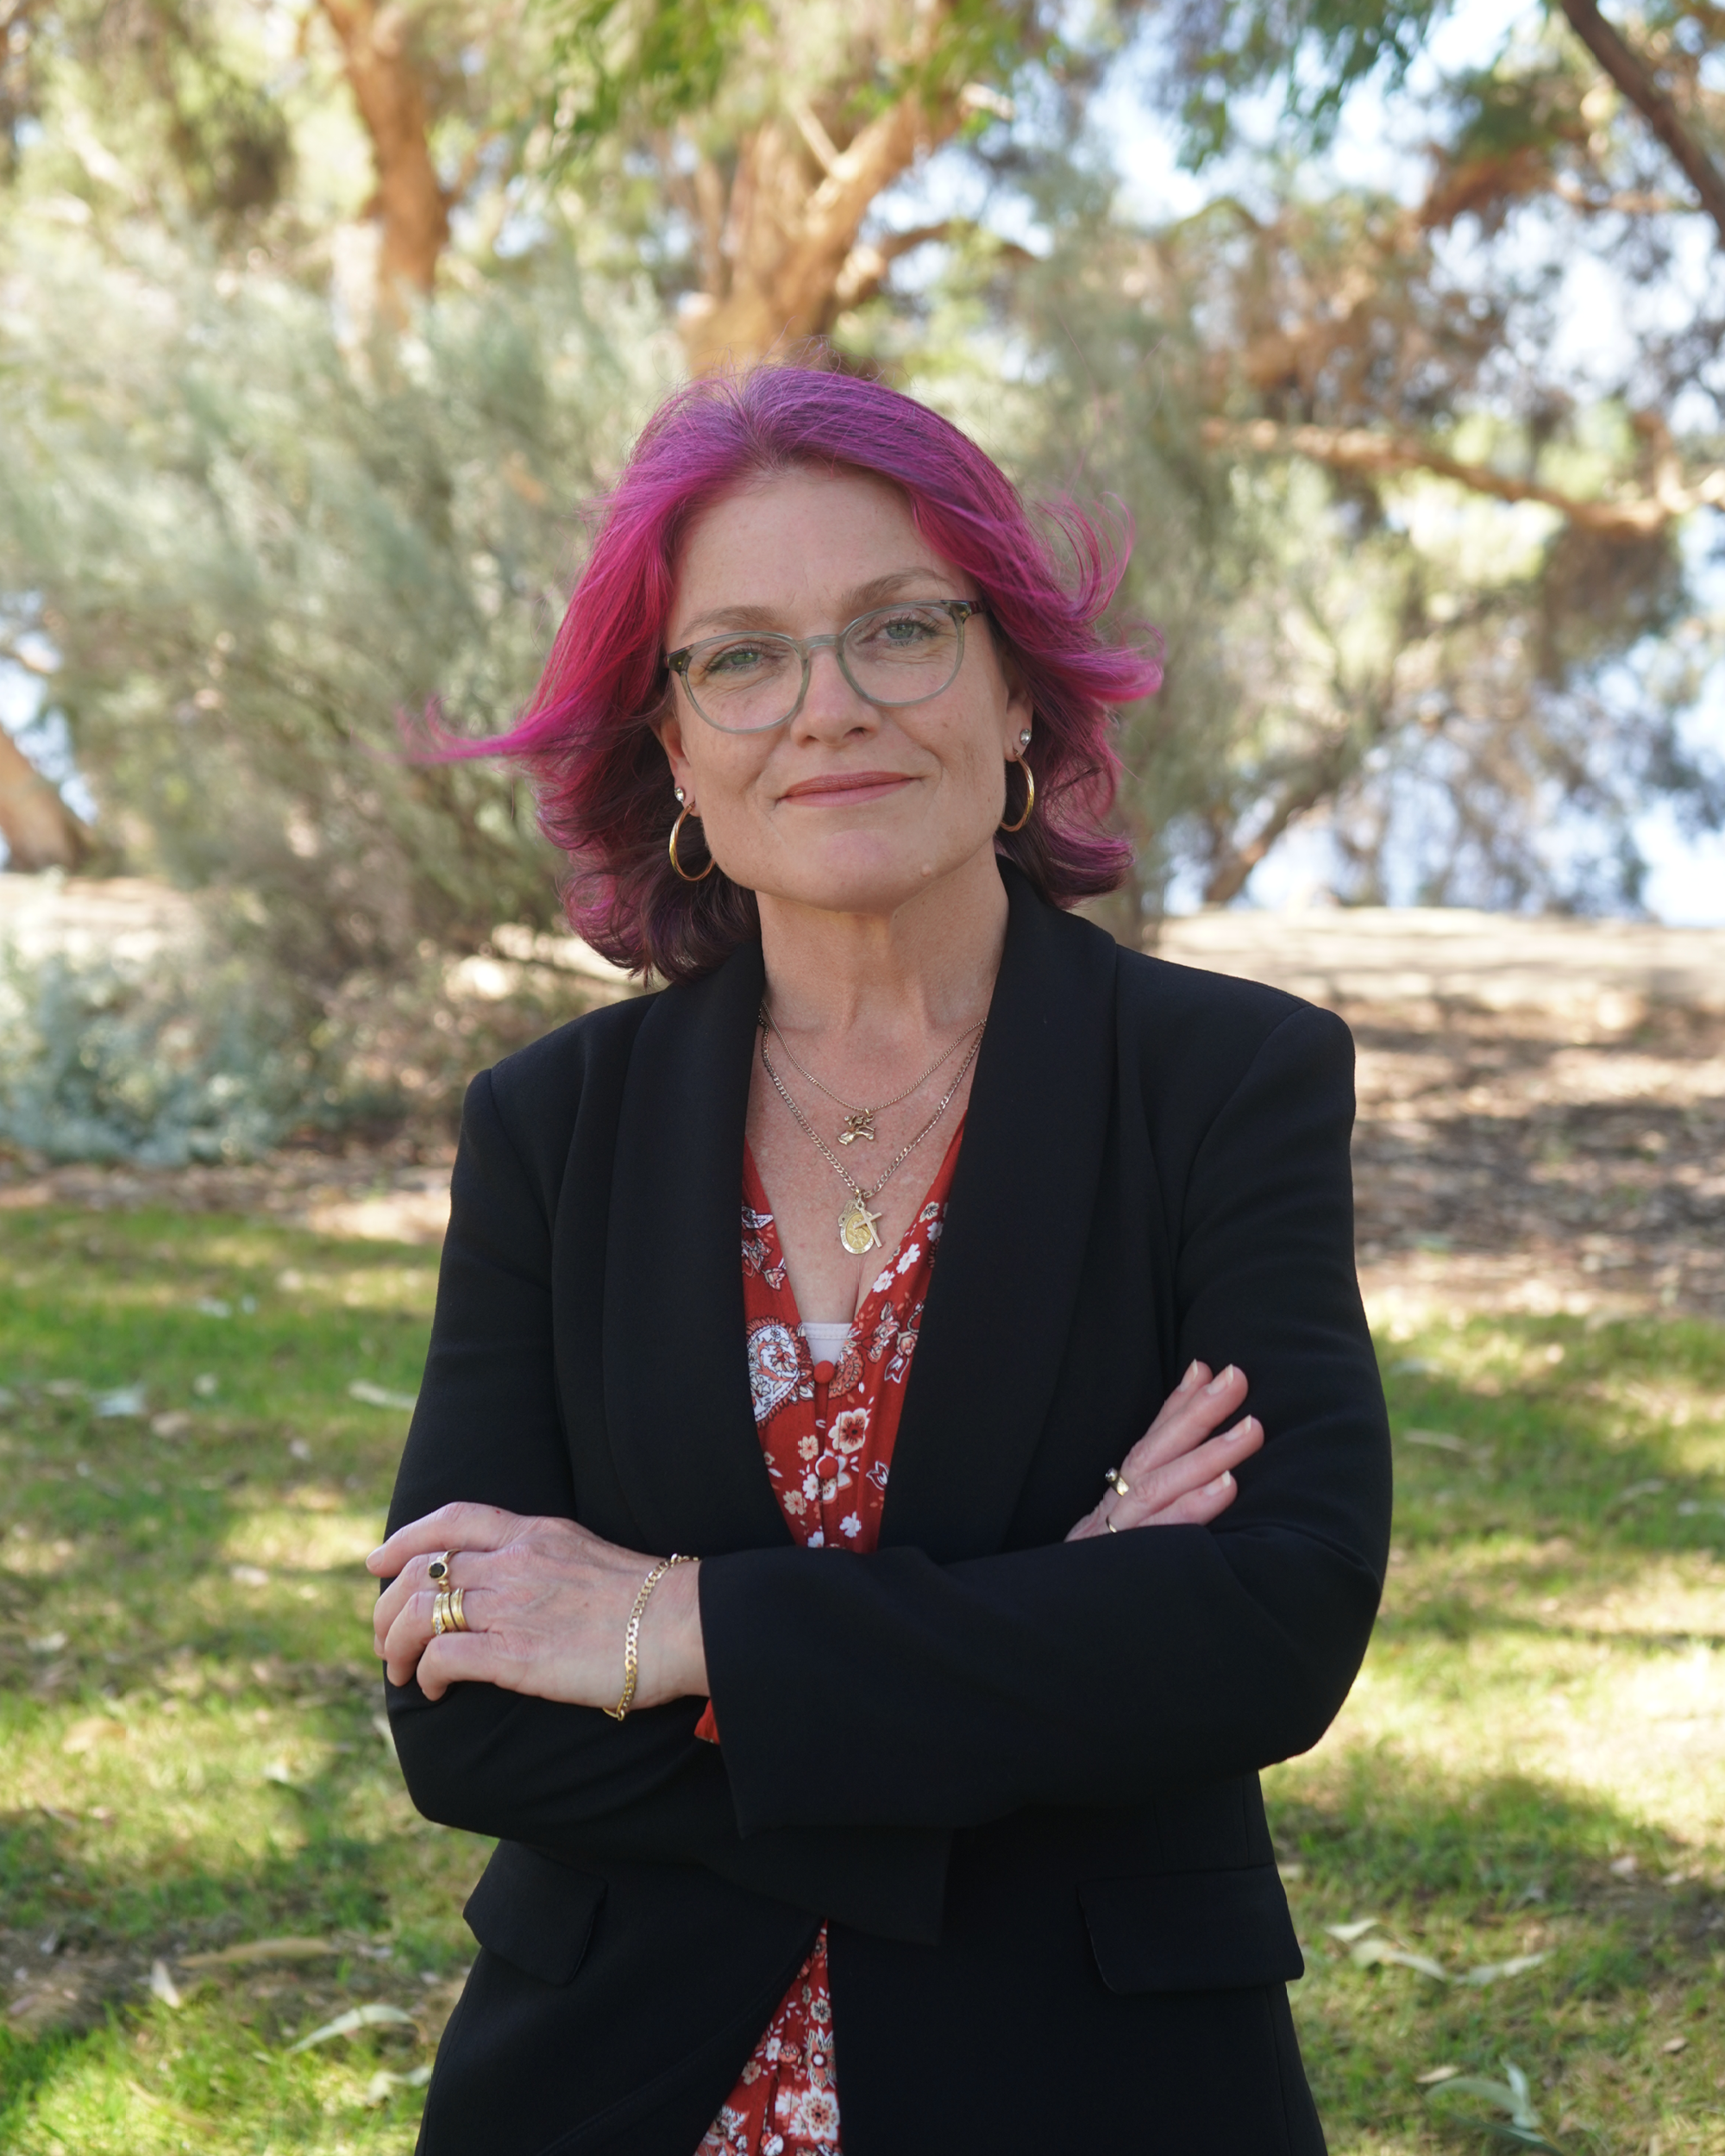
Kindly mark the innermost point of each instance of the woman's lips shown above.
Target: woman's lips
(835, 789)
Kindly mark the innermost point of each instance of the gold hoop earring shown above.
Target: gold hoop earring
(710, 863)
(1029, 799)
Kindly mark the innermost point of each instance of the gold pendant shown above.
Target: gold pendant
(860, 1123)
(856, 1228)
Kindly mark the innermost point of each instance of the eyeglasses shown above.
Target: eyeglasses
(751, 681)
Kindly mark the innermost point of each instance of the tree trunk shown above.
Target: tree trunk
(39, 830)
(410, 203)
(796, 205)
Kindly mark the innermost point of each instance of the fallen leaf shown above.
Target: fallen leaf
(1372, 1951)
(379, 1396)
(124, 1400)
(1623, 1867)
(50, 1643)
(1429, 2080)
(383, 2083)
(162, 1986)
(370, 2015)
(1489, 1971)
(1348, 1933)
(174, 1423)
(1675, 2044)
(1512, 2095)
(249, 1575)
(1438, 1440)
(278, 1770)
(261, 1949)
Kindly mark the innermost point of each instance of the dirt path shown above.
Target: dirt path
(1541, 1114)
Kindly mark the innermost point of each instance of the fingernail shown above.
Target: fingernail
(1220, 1379)
(1191, 1376)
(1224, 1481)
(377, 1552)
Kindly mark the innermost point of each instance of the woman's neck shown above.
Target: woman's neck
(926, 968)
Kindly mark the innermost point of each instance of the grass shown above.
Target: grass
(1532, 1763)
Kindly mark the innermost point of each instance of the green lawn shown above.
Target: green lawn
(1532, 1765)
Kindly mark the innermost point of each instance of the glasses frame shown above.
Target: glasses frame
(959, 610)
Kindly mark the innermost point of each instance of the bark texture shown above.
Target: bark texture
(409, 204)
(38, 827)
(780, 255)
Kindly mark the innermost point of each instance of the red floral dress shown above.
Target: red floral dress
(827, 1432)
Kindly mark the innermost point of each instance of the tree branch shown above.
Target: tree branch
(1636, 80)
(386, 88)
(1360, 449)
(869, 261)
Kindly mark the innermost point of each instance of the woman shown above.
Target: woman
(920, 1812)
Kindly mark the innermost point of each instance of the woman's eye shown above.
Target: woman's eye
(907, 629)
(737, 659)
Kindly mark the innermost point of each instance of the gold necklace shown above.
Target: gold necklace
(860, 1122)
(857, 1231)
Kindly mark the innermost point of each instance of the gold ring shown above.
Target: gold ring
(1117, 1482)
(438, 1569)
(458, 1621)
(447, 1613)
(440, 1615)
(1111, 1527)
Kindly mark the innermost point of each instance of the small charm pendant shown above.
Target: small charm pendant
(860, 1123)
(857, 1231)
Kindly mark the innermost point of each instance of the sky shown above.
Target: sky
(1687, 883)
(1686, 887)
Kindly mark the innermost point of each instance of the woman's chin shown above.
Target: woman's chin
(861, 880)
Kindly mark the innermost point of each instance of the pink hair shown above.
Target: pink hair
(604, 787)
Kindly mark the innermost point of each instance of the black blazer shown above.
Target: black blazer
(1017, 1775)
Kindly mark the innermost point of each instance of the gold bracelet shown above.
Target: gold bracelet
(631, 1636)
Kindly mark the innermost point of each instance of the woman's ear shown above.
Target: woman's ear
(669, 730)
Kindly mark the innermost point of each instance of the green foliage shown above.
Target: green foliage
(1316, 51)
(639, 64)
(258, 555)
(159, 1067)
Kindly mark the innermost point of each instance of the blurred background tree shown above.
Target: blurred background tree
(318, 325)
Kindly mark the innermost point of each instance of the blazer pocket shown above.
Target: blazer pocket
(1192, 1931)
(535, 1914)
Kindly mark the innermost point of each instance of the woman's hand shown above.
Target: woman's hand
(1178, 1473)
(547, 1604)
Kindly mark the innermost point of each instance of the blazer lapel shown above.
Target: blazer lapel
(676, 1382)
(993, 1335)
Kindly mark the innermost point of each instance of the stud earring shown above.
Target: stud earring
(1023, 738)
(682, 796)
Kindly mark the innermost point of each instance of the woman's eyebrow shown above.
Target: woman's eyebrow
(858, 600)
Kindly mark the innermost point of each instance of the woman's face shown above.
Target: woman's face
(851, 807)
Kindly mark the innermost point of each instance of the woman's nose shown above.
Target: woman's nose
(831, 704)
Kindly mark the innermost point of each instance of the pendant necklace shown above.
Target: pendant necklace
(857, 1229)
(860, 1122)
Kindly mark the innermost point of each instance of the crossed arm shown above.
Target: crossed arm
(548, 1601)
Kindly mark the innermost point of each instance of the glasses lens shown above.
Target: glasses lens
(901, 654)
(744, 683)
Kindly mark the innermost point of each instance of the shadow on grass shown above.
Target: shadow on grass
(1475, 1871)
(1571, 1452)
